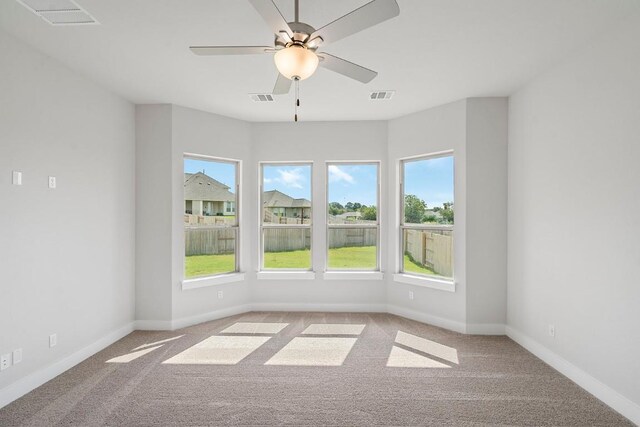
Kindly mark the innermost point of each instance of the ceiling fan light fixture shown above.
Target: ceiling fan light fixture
(296, 62)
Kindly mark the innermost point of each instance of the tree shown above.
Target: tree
(336, 208)
(447, 213)
(414, 208)
(349, 206)
(430, 218)
(369, 213)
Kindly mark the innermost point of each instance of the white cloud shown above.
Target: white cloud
(292, 178)
(336, 174)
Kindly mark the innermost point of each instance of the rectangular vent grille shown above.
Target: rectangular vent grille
(381, 95)
(262, 97)
(59, 12)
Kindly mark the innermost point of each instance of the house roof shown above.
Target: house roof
(350, 214)
(277, 199)
(199, 186)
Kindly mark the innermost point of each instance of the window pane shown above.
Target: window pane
(353, 248)
(288, 248)
(428, 191)
(209, 192)
(209, 250)
(210, 221)
(428, 252)
(353, 194)
(286, 197)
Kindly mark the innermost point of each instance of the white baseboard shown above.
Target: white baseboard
(606, 394)
(207, 317)
(418, 316)
(335, 308)
(34, 380)
(485, 329)
(153, 325)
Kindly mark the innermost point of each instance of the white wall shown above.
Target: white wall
(486, 214)
(318, 142)
(476, 130)
(67, 251)
(574, 210)
(430, 131)
(208, 134)
(153, 216)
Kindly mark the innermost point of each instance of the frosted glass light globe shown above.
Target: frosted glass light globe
(296, 62)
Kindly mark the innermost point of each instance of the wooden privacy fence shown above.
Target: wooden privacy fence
(207, 240)
(286, 239)
(342, 237)
(431, 248)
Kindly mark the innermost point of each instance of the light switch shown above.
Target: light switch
(17, 178)
(52, 182)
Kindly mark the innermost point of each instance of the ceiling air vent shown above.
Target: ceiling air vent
(262, 97)
(59, 12)
(381, 95)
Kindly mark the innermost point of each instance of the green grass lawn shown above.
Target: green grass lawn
(288, 259)
(358, 257)
(354, 257)
(413, 267)
(208, 265)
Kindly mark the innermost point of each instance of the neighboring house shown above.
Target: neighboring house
(278, 204)
(350, 216)
(204, 195)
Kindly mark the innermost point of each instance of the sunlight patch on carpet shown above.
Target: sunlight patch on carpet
(401, 358)
(157, 342)
(314, 352)
(433, 348)
(216, 350)
(132, 356)
(255, 328)
(333, 329)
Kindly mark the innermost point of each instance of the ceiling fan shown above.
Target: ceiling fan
(296, 42)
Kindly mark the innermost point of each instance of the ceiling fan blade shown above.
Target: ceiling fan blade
(230, 50)
(346, 68)
(364, 17)
(282, 86)
(272, 16)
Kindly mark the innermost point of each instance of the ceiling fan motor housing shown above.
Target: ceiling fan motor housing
(301, 33)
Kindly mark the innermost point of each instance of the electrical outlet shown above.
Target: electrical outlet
(17, 356)
(220, 294)
(53, 340)
(552, 331)
(5, 361)
(52, 182)
(411, 295)
(16, 178)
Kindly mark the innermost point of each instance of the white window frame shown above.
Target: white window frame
(235, 226)
(328, 226)
(408, 276)
(265, 273)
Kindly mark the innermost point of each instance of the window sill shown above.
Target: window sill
(286, 275)
(203, 282)
(353, 275)
(426, 282)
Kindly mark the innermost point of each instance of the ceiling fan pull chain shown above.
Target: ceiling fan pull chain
(297, 103)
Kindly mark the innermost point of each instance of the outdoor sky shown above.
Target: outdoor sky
(431, 180)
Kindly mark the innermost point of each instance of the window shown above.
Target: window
(210, 221)
(353, 223)
(285, 223)
(426, 218)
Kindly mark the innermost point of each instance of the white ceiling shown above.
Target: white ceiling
(435, 52)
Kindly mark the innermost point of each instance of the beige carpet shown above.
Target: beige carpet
(310, 369)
